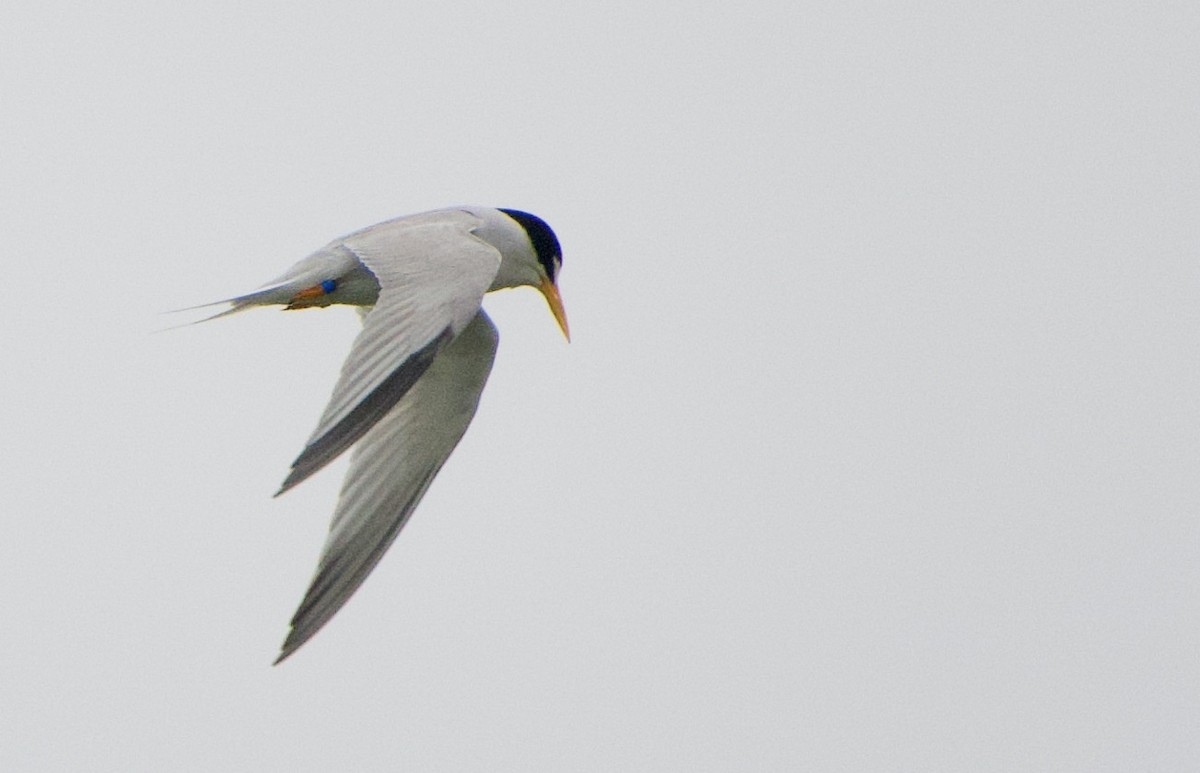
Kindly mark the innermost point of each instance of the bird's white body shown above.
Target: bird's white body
(412, 380)
(428, 229)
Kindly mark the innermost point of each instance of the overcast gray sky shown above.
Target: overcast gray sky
(876, 447)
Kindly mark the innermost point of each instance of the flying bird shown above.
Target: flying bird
(412, 380)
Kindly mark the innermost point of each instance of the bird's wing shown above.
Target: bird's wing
(390, 469)
(432, 273)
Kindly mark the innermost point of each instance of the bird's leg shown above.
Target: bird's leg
(312, 296)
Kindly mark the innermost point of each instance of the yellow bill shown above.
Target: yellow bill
(550, 292)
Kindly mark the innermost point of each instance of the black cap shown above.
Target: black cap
(545, 243)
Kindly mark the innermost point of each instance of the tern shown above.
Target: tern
(412, 380)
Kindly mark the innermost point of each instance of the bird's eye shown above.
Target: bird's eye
(329, 285)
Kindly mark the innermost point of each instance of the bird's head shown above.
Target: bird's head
(541, 263)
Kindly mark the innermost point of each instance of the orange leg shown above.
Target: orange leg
(309, 297)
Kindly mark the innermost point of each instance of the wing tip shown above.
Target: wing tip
(298, 635)
(287, 485)
(285, 652)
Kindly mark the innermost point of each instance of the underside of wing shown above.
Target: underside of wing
(392, 466)
(432, 275)
(373, 407)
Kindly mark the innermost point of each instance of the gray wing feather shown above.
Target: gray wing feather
(363, 416)
(391, 467)
(432, 273)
